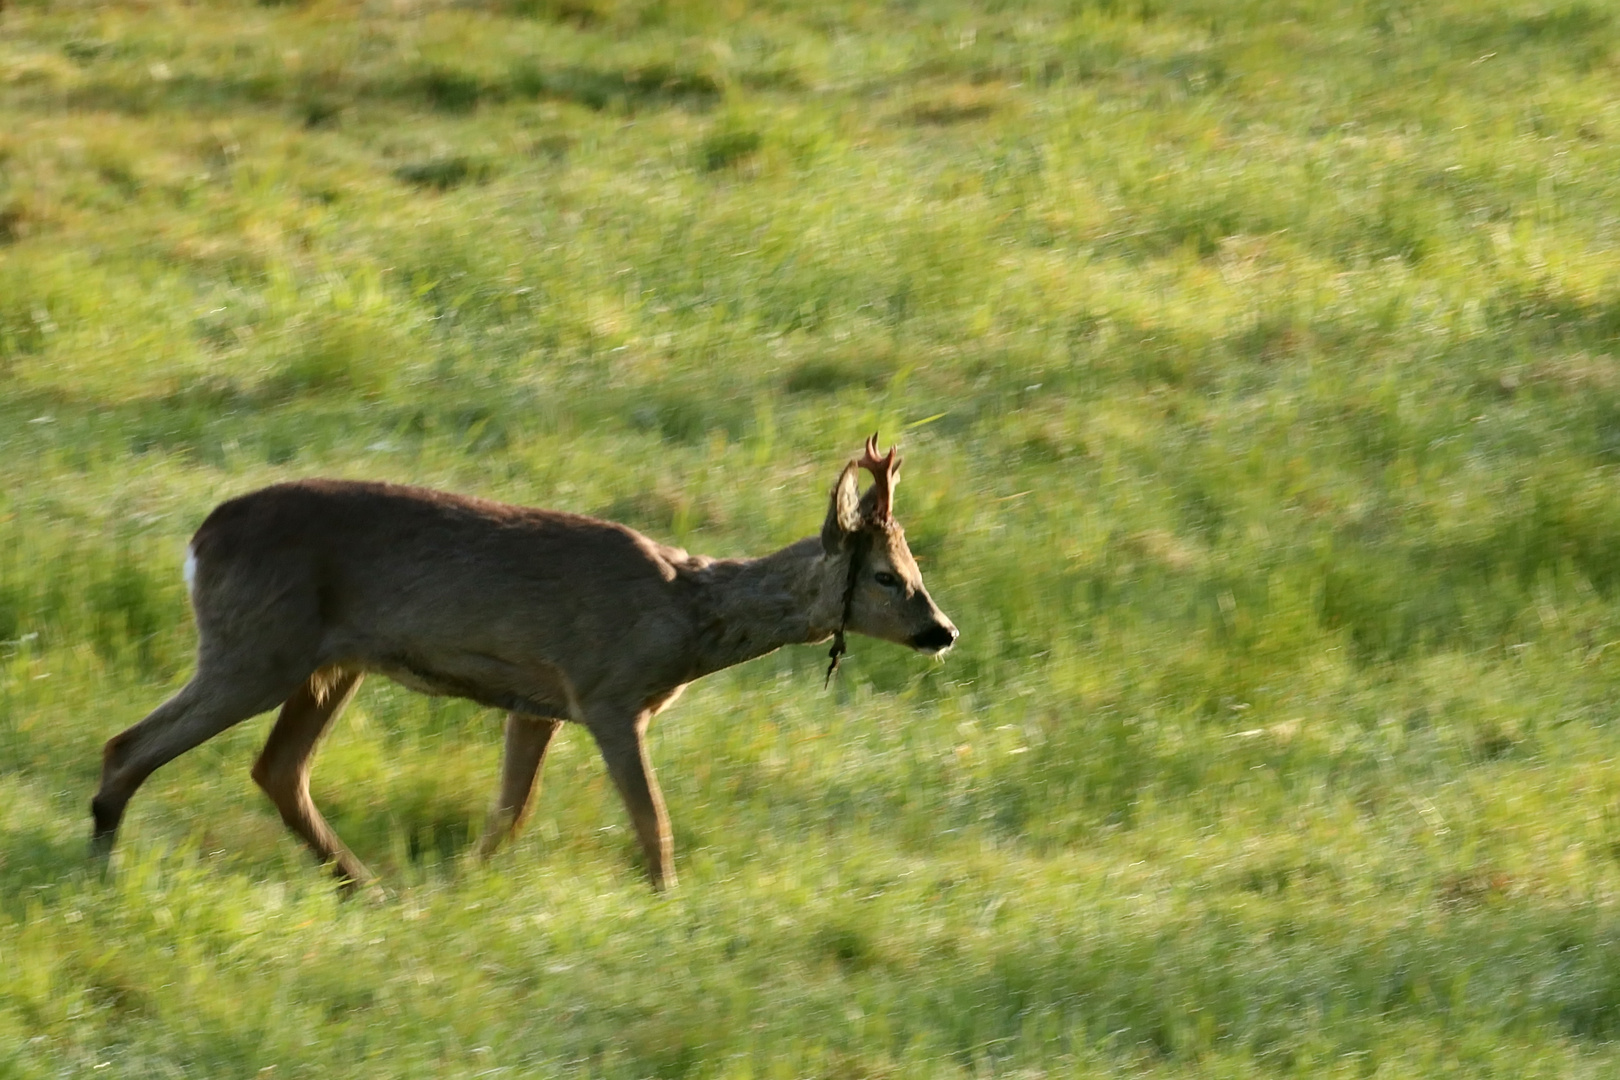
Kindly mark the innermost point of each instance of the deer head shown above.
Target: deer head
(866, 548)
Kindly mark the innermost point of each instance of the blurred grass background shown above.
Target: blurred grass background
(1255, 366)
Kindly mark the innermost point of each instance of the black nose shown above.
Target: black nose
(936, 637)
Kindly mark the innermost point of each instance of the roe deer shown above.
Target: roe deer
(301, 588)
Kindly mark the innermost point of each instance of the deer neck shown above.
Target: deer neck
(749, 607)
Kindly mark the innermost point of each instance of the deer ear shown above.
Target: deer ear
(843, 512)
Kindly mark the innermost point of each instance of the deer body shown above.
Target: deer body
(301, 589)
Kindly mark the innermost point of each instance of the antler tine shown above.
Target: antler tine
(870, 458)
(872, 463)
(885, 472)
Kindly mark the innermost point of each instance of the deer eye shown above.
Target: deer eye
(886, 579)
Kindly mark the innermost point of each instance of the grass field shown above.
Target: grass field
(1256, 370)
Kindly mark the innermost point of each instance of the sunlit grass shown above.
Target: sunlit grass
(1255, 369)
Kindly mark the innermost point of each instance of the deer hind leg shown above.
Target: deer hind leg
(527, 739)
(216, 698)
(624, 750)
(283, 767)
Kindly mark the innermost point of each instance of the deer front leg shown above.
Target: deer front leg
(527, 739)
(624, 749)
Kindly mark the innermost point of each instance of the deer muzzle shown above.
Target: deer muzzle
(936, 639)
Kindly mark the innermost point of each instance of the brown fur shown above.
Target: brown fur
(302, 588)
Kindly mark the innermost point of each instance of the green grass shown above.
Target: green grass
(1256, 369)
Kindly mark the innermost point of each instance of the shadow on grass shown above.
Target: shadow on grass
(1185, 988)
(1271, 985)
(34, 862)
(1580, 33)
(319, 96)
(1554, 317)
(416, 823)
(278, 419)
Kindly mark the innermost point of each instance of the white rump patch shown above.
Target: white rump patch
(189, 570)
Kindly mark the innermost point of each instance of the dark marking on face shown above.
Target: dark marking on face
(936, 638)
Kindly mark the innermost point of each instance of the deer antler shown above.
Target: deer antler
(885, 474)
